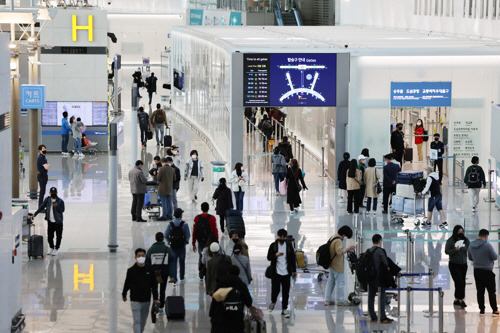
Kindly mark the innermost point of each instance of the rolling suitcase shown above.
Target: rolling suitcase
(408, 156)
(301, 259)
(253, 325)
(174, 308)
(235, 223)
(408, 177)
(35, 246)
(167, 139)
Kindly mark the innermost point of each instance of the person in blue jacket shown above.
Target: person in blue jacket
(391, 171)
(65, 131)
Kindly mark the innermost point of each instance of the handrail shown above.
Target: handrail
(298, 17)
(277, 13)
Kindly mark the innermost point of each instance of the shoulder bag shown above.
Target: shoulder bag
(245, 269)
(379, 188)
(160, 275)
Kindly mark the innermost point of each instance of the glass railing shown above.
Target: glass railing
(237, 5)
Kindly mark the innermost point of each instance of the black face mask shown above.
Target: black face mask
(400, 128)
(436, 139)
(281, 241)
(235, 240)
(43, 152)
(53, 195)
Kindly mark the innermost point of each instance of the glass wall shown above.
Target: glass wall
(240, 5)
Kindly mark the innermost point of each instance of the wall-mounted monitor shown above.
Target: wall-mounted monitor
(91, 113)
(283, 79)
(178, 79)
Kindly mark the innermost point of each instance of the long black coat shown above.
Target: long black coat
(293, 194)
(224, 198)
(342, 174)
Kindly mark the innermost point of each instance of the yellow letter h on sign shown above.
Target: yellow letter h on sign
(83, 278)
(89, 28)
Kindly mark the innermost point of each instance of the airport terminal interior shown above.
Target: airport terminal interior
(414, 83)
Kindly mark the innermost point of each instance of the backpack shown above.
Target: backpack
(474, 176)
(267, 125)
(233, 304)
(177, 237)
(419, 184)
(323, 258)
(365, 270)
(159, 119)
(203, 229)
(426, 135)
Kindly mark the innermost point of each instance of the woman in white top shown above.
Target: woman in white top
(238, 181)
(260, 115)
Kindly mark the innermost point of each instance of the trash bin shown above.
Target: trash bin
(218, 171)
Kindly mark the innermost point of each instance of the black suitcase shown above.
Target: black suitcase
(253, 325)
(167, 139)
(233, 212)
(35, 245)
(174, 308)
(235, 223)
(408, 155)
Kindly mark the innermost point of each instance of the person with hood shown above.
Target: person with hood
(458, 263)
(435, 198)
(279, 169)
(474, 178)
(193, 174)
(293, 177)
(483, 257)
(173, 152)
(371, 178)
(267, 129)
(224, 198)
(342, 176)
(286, 149)
(362, 185)
(353, 180)
(419, 138)
(243, 263)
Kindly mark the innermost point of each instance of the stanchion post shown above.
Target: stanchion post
(295, 145)
(431, 293)
(322, 161)
(379, 308)
(408, 250)
(462, 176)
(441, 314)
(399, 295)
(408, 310)
(302, 155)
(298, 152)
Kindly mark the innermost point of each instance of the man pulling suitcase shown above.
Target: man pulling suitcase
(54, 209)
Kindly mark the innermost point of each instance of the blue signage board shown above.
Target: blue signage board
(235, 18)
(420, 94)
(196, 17)
(32, 96)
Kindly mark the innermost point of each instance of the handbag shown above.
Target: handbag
(159, 272)
(379, 187)
(269, 272)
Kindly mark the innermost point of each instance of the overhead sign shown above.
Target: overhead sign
(235, 18)
(196, 17)
(420, 94)
(32, 96)
(89, 27)
(214, 17)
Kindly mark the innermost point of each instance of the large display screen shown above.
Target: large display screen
(91, 113)
(281, 79)
(179, 80)
(420, 94)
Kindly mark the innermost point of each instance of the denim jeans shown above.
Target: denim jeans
(166, 206)
(64, 143)
(335, 278)
(140, 312)
(369, 202)
(179, 254)
(174, 199)
(238, 196)
(372, 292)
(78, 145)
(159, 128)
(278, 177)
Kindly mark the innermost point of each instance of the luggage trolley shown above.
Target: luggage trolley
(151, 204)
(406, 203)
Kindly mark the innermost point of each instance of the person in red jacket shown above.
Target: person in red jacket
(204, 225)
(419, 138)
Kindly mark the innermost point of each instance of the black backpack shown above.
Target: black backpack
(426, 135)
(203, 229)
(474, 176)
(233, 304)
(365, 269)
(323, 258)
(177, 237)
(159, 119)
(419, 184)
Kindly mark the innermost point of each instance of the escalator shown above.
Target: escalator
(290, 17)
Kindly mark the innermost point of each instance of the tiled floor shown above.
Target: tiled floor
(54, 303)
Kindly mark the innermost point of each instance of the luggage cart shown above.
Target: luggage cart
(151, 204)
(417, 221)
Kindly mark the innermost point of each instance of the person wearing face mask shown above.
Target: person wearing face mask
(193, 174)
(237, 239)
(42, 167)
(435, 198)
(176, 155)
(54, 209)
(224, 199)
(439, 146)
(398, 143)
(238, 181)
(142, 283)
(166, 179)
(157, 165)
(419, 138)
(458, 263)
(138, 189)
(243, 263)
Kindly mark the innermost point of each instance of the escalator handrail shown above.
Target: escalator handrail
(277, 13)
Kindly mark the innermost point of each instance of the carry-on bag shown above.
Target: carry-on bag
(35, 245)
(254, 322)
(301, 259)
(167, 139)
(408, 155)
(235, 223)
(174, 307)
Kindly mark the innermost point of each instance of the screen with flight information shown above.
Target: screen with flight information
(91, 113)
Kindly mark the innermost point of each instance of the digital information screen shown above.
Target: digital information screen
(289, 79)
(179, 80)
(91, 113)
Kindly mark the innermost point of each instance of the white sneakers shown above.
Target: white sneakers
(81, 155)
(50, 252)
(53, 252)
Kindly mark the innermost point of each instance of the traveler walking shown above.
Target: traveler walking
(435, 198)
(159, 122)
(238, 181)
(138, 189)
(204, 226)
(173, 152)
(250, 119)
(141, 282)
(259, 115)
(151, 86)
(336, 269)
(157, 165)
(439, 147)
(281, 254)
(362, 185)
(177, 236)
(353, 179)
(456, 249)
(143, 119)
(243, 263)
(419, 133)
(342, 176)
(177, 181)
(398, 143)
(474, 178)
(42, 167)
(193, 174)
(160, 257)
(379, 262)
(483, 257)
(76, 129)
(224, 199)
(206, 255)
(293, 176)
(237, 239)
(54, 209)
(267, 129)
(391, 171)
(372, 177)
(166, 179)
(65, 131)
(138, 80)
(279, 169)
(286, 149)
(216, 267)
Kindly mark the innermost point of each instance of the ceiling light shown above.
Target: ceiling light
(12, 46)
(31, 39)
(13, 66)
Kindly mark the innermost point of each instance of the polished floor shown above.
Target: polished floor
(60, 295)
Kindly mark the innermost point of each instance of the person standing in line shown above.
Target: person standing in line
(419, 138)
(483, 257)
(371, 180)
(157, 165)
(65, 131)
(238, 181)
(353, 180)
(177, 235)
(436, 198)
(151, 86)
(193, 174)
(249, 119)
(279, 169)
(42, 167)
(159, 122)
(243, 263)
(54, 209)
(391, 171)
(458, 263)
(366, 153)
(362, 185)
(141, 282)
(166, 179)
(204, 226)
(267, 129)
(143, 119)
(177, 181)
(76, 129)
(281, 254)
(398, 143)
(439, 146)
(336, 269)
(138, 189)
(224, 199)
(474, 178)
(294, 176)
(342, 176)
(286, 149)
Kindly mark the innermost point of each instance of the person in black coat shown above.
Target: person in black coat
(342, 174)
(224, 198)
(398, 143)
(285, 149)
(293, 176)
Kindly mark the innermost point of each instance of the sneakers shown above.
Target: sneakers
(428, 223)
(344, 303)
(374, 213)
(328, 303)
(463, 305)
(387, 321)
(51, 251)
(277, 194)
(81, 155)
(473, 209)
(271, 307)
(55, 253)
(456, 303)
(496, 313)
(385, 212)
(481, 312)
(286, 313)
(195, 197)
(161, 312)
(292, 212)
(443, 225)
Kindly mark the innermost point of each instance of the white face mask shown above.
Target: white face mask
(194, 157)
(141, 260)
(419, 123)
